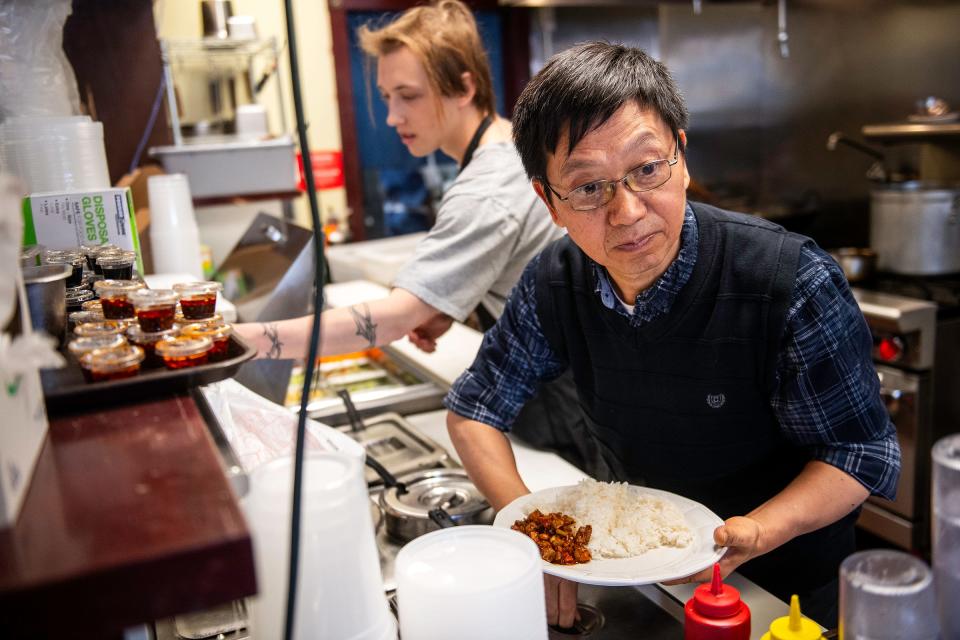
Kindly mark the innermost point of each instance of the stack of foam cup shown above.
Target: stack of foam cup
(340, 588)
(174, 236)
(471, 583)
(54, 153)
(946, 532)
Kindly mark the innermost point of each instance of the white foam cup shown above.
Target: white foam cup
(340, 588)
(946, 532)
(471, 583)
(174, 236)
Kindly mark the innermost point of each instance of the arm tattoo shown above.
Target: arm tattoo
(365, 325)
(270, 331)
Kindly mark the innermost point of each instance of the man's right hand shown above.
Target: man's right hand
(561, 597)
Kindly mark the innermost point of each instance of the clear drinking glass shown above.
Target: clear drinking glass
(887, 595)
(946, 532)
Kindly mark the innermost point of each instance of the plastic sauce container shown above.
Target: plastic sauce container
(218, 333)
(75, 297)
(115, 297)
(117, 266)
(100, 365)
(184, 351)
(80, 346)
(793, 626)
(71, 257)
(148, 342)
(155, 308)
(105, 328)
(716, 612)
(198, 300)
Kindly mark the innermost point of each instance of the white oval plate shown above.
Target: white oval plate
(656, 565)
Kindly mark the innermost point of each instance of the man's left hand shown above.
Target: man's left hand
(741, 535)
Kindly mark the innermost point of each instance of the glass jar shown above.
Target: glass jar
(184, 351)
(105, 328)
(198, 300)
(148, 342)
(68, 256)
(80, 346)
(114, 297)
(218, 333)
(100, 365)
(118, 265)
(155, 308)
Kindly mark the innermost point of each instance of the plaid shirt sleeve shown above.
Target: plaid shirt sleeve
(827, 395)
(514, 356)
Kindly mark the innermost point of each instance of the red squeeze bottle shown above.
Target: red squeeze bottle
(716, 612)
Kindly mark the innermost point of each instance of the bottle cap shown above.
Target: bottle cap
(793, 626)
(716, 600)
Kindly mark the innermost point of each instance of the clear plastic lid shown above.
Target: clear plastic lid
(63, 256)
(105, 328)
(80, 317)
(92, 305)
(107, 360)
(147, 298)
(116, 259)
(78, 295)
(180, 319)
(86, 344)
(215, 332)
(137, 335)
(116, 288)
(197, 289)
(183, 346)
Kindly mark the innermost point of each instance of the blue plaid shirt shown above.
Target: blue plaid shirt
(827, 394)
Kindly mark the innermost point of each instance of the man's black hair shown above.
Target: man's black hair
(581, 88)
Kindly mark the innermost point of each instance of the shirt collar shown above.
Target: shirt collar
(657, 299)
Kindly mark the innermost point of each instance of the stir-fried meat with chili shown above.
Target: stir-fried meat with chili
(555, 537)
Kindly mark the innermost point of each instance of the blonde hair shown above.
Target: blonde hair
(444, 38)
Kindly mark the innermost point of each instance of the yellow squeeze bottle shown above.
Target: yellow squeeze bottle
(793, 626)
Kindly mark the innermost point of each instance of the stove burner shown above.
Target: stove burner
(591, 620)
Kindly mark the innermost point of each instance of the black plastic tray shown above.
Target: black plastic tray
(66, 390)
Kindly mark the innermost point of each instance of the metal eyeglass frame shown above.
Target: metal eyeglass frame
(623, 180)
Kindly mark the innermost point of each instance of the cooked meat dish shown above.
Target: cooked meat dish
(556, 537)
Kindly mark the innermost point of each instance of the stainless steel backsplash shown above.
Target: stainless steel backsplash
(759, 122)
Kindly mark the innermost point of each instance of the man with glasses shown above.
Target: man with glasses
(716, 355)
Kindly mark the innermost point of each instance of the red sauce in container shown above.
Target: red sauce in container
(100, 365)
(218, 333)
(198, 300)
(155, 308)
(184, 351)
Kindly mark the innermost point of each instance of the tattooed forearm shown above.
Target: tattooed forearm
(276, 347)
(365, 326)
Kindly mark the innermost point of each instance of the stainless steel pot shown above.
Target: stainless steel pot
(858, 264)
(407, 513)
(915, 228)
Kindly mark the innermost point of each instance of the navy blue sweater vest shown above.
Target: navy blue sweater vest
(683, 403)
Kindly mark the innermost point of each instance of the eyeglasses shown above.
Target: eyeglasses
(646, 177)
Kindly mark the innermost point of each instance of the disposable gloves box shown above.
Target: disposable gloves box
(72, 218)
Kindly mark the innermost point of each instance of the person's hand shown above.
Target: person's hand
(561, 596)
(425, 336)
(741, 535)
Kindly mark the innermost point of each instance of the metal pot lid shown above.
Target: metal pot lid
(426, 490)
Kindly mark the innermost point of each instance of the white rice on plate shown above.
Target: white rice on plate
(625, 521)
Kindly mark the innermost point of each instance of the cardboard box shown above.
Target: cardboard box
(70, 219)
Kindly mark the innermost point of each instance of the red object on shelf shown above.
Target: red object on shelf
(716, 612)
(327, 170)
(889, 349)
